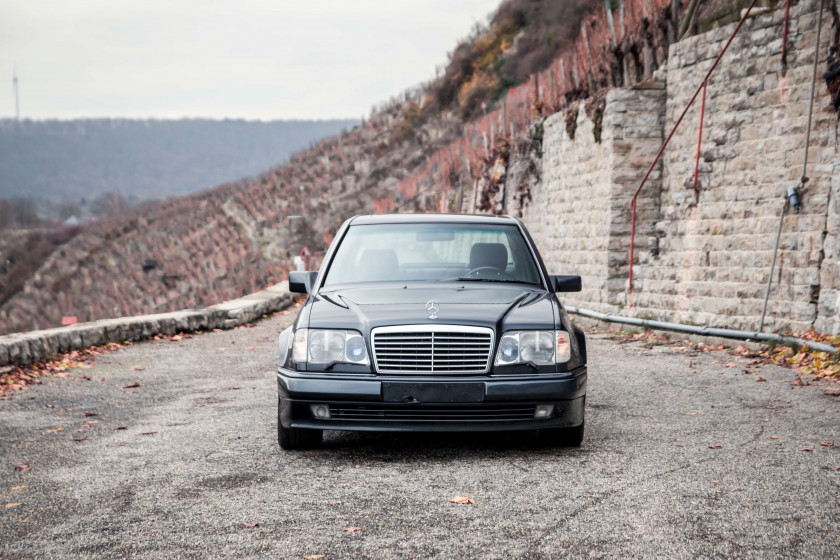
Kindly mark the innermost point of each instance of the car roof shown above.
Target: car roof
(431, 218)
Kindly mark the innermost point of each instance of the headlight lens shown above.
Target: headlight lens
(319, 346)
(540, 347)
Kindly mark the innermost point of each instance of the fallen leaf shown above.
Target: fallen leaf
(835, 468)
(250, 348)
(730, 365)
(147, 433)
(23, 468)
(20, 488)
(11, 505)
(692, 413)
(827, 443)
(774, 437)
(462, 500)
(80, 438)
(313, 557)
(715, 447)
(353, 529)
(334, 503)
(760, 379)
(132, 386)
(176, 338)
(799, 383)
(831, 394)
(139, 368)
(233, 388)
(88, 414)
(252, 524)
(806, 449)
(120, 428)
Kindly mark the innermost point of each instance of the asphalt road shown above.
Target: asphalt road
(197, 466)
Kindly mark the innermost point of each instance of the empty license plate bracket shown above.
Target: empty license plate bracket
(409, 392)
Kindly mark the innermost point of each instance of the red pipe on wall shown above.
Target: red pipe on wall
(785, 33)
(700, 135)
(668, 139)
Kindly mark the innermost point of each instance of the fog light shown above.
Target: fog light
(321, 411)
(543, 411)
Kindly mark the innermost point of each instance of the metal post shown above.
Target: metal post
(772, 266)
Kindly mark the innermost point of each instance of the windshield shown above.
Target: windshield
(433, 252)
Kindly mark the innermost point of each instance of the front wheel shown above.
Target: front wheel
(297, 438)
(567, 437)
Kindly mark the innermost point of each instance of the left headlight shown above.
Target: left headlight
(319, 346)
(540, 347)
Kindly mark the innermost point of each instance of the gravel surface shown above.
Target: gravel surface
(187, 465)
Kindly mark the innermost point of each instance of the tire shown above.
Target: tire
(297, 438)
(567, 437)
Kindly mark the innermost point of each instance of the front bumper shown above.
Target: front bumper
(435, 404)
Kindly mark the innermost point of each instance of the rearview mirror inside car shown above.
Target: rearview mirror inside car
(435, 235)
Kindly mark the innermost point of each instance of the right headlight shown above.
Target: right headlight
(539, 347)
(320, 346)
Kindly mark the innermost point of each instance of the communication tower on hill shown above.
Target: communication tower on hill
(17, 101)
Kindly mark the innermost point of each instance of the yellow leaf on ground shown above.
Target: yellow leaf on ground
(462, 500)
(12, 504)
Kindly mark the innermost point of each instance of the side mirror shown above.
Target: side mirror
(566, 283)
(301, 281)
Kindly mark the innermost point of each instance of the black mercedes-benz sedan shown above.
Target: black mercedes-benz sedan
(431, 322)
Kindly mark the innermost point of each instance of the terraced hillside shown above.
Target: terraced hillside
(223, 243)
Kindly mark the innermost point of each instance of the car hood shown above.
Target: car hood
(499, 306)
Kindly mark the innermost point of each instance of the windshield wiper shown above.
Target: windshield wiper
(471, 279)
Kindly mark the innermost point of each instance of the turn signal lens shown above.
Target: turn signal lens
(564, 348)
(300, 347)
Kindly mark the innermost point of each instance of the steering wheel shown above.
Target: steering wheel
(491, 270)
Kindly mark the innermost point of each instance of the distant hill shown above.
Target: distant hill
(149, 159)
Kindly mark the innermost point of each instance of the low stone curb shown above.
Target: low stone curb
(30, 347)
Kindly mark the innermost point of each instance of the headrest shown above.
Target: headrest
(488, 254)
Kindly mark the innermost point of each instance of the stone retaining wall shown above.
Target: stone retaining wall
(30, 347)
(704, 258)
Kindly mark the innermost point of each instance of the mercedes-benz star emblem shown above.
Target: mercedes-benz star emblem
(432, 307)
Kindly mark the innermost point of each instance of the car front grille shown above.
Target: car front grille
(437, 413)
(437, 349)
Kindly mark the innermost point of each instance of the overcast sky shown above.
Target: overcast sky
(253, 59)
